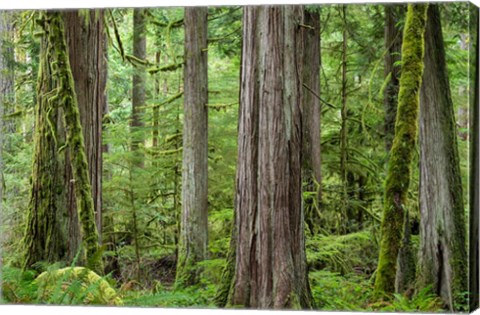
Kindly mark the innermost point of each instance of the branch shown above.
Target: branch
(171, 67)
(318, 96)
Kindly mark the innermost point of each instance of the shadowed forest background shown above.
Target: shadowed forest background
(304, 157)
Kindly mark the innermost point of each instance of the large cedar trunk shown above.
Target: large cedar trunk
(194, 228)
(270, 266)
(86, 39)
(442, 253)
(43, 238)
(57, 100)
(311, 126)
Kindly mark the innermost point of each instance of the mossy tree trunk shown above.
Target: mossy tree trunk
(86, 40)
(43, 239)
(404, 143)
(7, 93)
(193, 242)
(442, 252)
(394, 14)
(311, 164)
(57, 91)
(270, 264)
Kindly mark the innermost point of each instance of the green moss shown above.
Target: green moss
(75, 285)
(42, 238)
(188, 270)
(57, 90)
(225, 287)
(404, 143)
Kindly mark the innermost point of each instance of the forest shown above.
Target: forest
(315, 157)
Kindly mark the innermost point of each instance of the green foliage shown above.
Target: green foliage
(343, 254)
(189, 297)
(17, 285)
(332, 291)
(423, 301)
(73, 286)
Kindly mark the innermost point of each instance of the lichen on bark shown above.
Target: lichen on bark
(404, 143)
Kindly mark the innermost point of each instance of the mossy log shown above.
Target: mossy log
(75, 285)
(404, 144)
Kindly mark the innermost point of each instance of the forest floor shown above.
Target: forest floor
(341, 273)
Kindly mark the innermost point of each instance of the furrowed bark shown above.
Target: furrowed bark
(270, 266)
(86, 40)
(61, 94)
(193, 241)
(43, 237)
(442, 250)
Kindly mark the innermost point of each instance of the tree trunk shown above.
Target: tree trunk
(86, 39)
(393, 46)
(7, 93)
(393, 43)
(404, 142)
(270, 266)
(474, 161)
(43, 237)
(139, 81)
(57, 90)
(312, 175)
(442, 251)
(194, 228)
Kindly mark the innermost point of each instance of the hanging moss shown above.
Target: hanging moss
(42, 237)
(404, 143)
(58, 91)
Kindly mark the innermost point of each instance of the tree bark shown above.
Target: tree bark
(86, 40)
(139, 81)
(442, 251)
(57, 91)
(194, 228)
(43, 239)
(393, 46)
(311, 163)
(404, 142)
(7, 92)
(270, 266)
(474, 161)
